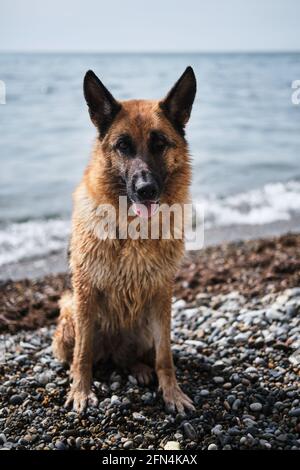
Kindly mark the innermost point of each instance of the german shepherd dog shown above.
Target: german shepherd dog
(119, 309)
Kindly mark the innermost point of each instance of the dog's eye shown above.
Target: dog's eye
(158, 143)
(124, 146)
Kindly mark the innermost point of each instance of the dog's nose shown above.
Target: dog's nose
(147, 191)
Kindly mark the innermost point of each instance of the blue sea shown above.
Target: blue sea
(244, 137)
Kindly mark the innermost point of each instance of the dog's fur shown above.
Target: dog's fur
(120, 305)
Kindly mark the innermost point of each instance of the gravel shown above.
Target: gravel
(232, 355)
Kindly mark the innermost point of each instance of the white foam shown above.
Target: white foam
(274, 202)
(25, 240)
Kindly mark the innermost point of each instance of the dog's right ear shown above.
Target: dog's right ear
(103, 107)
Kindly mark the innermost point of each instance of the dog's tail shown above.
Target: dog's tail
(64, 337)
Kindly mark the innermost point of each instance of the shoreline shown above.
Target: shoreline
(56, 262)
(252, 267)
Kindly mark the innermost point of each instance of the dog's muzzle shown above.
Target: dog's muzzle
(145, 195)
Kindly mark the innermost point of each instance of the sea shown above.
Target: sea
(244, 136)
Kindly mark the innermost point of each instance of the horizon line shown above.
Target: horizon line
(132, 52)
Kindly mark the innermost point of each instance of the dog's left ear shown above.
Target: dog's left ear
(179, 101)
(103, 107)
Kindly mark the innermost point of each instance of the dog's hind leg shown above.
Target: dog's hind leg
(64, 337)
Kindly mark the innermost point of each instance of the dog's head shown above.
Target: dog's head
(142, 141)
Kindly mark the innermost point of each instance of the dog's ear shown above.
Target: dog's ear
(103, 107)
(178, 103)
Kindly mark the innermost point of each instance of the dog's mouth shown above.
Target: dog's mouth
(145, 209)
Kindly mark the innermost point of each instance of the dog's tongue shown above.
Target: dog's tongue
(145, 210)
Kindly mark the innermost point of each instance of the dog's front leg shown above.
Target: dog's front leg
(172, 394)
(81, 370)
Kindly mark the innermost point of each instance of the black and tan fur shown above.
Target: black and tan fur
(120, 304)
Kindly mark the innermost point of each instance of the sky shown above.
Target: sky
(149, 25)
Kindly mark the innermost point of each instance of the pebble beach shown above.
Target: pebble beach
(236, 345)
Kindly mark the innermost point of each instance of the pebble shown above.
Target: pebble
(60, 445)
(179, 304)
(78, 442)
(218, 380)
(255, 407)
(45, 377)
(50, 386)
(132, 380)
(172, 445)
(295, 358)
(138, 439)
(241, 337)
(147, 398)
(295, 412)
(236, 404)
(16, 400)
(21, 359)
(138, 417)
(115, 400)
(189, 431)
(212, 447)
(128, 445)
(216, 430)
(115, 386)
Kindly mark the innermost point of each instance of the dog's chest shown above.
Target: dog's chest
(137, 266)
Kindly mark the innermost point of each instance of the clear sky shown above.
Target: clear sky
(149, 25)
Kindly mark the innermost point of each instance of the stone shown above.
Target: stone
(179, 304)
(59, 445)
(189, 431)
(242, 337)
(78, 442)
(216, 430)
(132, 380)
(147, 398)
(138, 417)
(45, 377)
(128, 445)
(172, 445)
(212, 447)
(295, 358)
(295, 412)
(236, 404)
(256, 406)
(115, 400)
(115, 386)
(16, 400)
(218, 380)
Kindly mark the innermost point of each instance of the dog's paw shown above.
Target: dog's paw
(176, 400)
(142, 373)
(81, 400)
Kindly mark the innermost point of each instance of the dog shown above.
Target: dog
(119, 309)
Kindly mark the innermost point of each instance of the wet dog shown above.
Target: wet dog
(120, 305)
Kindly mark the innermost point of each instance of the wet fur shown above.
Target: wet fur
(120, 305)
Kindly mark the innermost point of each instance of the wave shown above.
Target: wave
(27, 240)
(272, 203)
